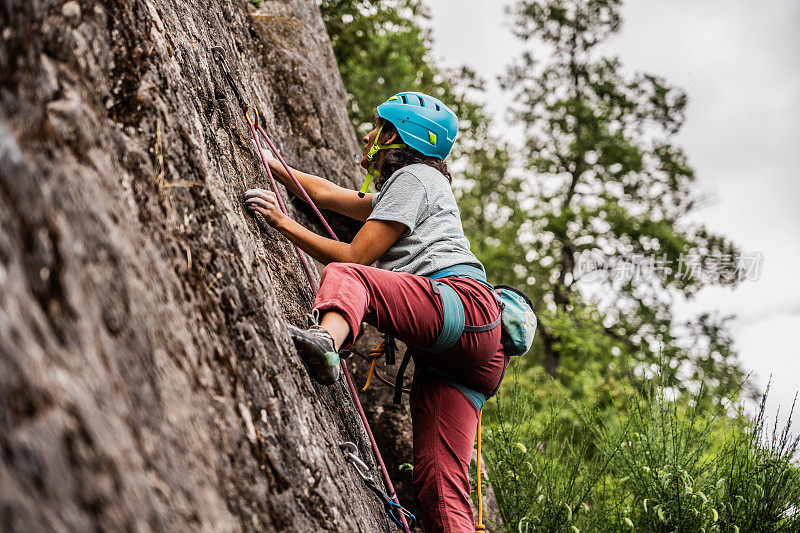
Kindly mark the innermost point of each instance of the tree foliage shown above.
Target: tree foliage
(610, 180)
(381, 49)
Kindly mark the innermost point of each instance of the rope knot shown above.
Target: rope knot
(377, 352)
(374, 354)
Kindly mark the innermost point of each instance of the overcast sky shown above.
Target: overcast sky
(739, 63)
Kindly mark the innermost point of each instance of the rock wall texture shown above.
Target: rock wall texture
(147, 380)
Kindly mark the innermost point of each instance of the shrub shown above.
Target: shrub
(665, 464)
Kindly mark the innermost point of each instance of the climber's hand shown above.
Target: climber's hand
(265, 203)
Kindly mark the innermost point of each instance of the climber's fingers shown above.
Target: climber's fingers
(265, 203)
(269, 215)
(259, 204)
(259, 193)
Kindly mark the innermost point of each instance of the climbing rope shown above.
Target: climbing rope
(251, 116)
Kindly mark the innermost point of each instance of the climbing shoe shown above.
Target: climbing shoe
(316, 348)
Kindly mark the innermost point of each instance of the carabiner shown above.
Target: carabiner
(247, 109)
(350, 454)
(219, 56)
(392, 507)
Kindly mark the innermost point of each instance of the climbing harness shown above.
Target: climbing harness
(252, 118)
(453, 325)
(393, 509)
(516, 318)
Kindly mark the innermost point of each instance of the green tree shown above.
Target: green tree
(610, 178)
(381, 49)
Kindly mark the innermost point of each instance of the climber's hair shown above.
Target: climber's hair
(394, 159)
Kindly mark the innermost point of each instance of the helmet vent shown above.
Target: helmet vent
(403, 98)
(421, 101)
(438, 108)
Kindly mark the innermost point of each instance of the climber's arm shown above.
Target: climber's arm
(371, 242)
(325, 194)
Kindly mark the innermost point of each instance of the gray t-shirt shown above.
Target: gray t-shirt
(420, 197)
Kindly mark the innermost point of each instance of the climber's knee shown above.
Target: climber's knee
(338, 270)
(343, 291)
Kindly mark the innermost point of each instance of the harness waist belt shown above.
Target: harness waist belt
(453, 319)
(461, 270)
(453, 325)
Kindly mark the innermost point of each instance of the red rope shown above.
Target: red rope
(256, 126)
(296, 182)
(282, 206)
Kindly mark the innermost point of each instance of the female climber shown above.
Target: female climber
(413, 235)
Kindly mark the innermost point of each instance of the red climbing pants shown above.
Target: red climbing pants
(444, 420)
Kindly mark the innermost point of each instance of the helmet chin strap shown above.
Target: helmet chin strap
(371, 156)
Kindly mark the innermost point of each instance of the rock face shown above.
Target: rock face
(147, 380)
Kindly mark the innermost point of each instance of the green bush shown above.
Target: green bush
(543, 467)
(664, 464)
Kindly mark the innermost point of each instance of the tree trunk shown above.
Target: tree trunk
(551, 356)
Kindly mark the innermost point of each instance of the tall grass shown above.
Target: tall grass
(664, 465)
(758, 480)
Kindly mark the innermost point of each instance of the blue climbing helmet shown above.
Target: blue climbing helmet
(423, 122)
